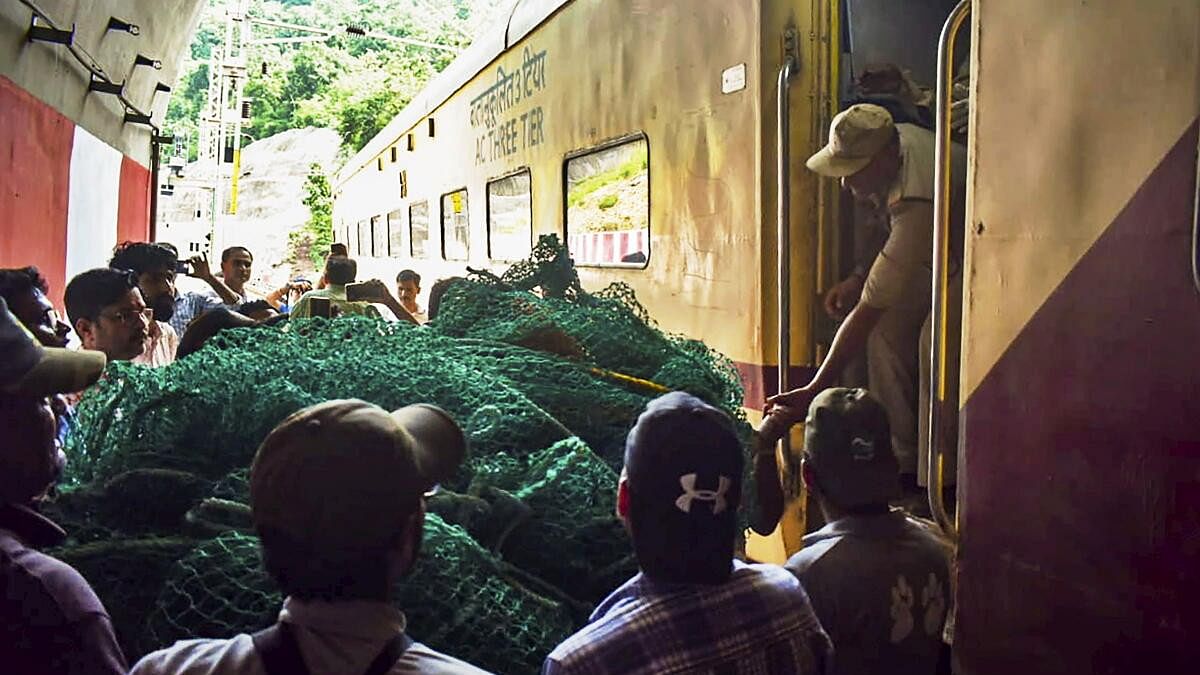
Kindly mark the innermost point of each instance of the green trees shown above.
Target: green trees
(313, 240)
(350, 83)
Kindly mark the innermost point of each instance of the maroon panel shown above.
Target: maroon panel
(133, 206)
(759, 381)
(1081, 525)
(35, 167)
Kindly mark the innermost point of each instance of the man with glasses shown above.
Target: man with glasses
(106, 309)
(155, 266)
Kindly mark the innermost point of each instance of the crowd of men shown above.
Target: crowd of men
(338, 490)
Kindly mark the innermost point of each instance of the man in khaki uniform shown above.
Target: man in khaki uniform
(890, 167)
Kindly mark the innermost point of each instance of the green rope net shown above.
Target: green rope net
(545, 380)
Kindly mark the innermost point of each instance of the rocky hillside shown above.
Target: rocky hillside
(270, 194)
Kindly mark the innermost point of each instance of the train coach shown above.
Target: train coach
(664, 142)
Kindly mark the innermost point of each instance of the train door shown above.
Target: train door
(814, 54)
(1080, 504)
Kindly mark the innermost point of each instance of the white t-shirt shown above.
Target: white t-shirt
(333, 637)
(161, 343)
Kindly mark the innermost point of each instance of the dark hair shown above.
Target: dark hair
(408, 275)
(436, 291)
(309, 573)
(230, 251)
(91, 291)
(338, 249)
(340, 270)
(14, 282)
(254, 306)
(141, 257)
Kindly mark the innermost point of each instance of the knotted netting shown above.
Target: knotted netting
(544, 378)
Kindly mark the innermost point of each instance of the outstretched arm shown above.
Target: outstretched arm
(849, 342)
(201, 270)
(383, 296)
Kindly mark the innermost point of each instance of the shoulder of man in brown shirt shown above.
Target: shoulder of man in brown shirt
(50, 618)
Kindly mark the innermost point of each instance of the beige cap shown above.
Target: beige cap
(856, 135)
(347, 473)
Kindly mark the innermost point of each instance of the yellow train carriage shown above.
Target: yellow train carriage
(524, 134)
(648, 136)
(1078, 495)
(642, 133)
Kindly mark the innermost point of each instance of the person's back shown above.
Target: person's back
(337, 498)
(880, 585)
(758, 621)
(692, 608)
(339, 271)
(331, 637)
(50, 619)
(878, 580)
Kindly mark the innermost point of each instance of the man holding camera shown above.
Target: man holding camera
(236, 263)
(343, 297)
(339, 272)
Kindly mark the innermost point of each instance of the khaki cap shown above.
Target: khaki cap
(29, 369)
(346, 473)
(849, 443)
(856, 135)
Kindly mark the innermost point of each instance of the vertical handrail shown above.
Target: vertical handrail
(783, 158)
(935, 467)
(1196, 223)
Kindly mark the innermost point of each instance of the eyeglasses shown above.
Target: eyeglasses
(129, 316)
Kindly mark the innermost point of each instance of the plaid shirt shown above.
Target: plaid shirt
(758, 622)
(189, 306)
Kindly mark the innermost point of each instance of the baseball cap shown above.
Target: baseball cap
(848, 443)
(345, 473)
(29, 369)
(856, 135)
(683, 457)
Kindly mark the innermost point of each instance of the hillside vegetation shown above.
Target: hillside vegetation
(349, 83)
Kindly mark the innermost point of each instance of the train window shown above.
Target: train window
(456, 235)
(510, 217)
(395, 228)
(418, 230)
(379, 236)
(608, 204)
(364, 238)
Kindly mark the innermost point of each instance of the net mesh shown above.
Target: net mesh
(545, 380)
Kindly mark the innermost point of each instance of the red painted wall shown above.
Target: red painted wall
(133, 207)
(35, 162)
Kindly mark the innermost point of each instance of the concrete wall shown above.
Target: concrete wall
(52, 75)
(74, 177)
(66, 197)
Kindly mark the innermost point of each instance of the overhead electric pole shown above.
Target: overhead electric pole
(226, 109)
